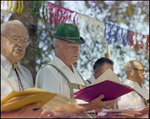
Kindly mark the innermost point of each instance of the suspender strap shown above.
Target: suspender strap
(71, 85)
(144, 100)
(82, 79)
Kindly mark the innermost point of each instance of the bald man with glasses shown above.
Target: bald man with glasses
(15, 77)
(137, 99)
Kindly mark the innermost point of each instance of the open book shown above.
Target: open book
(17, 100)
(107, 84)
(107, 75)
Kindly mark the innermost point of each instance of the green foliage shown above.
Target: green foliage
(45, 47)
(118, 12)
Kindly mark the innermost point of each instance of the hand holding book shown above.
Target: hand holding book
(107, 84)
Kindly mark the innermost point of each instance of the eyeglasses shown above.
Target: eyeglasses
(142, 70)
(16, 39)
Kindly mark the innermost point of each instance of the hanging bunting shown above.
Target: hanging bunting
(101, 30)
(141, 46)
(15, 6)
(10, 6)
(18, 9)
(59, 15)
(116, 34)
(92, 25)
(21, 7)
(136, 45)
(130, 35)
(7, 6)
(147, 46)
(110, 33)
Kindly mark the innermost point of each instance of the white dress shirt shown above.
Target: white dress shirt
(49, 79)
(9, 77)
(132, 99)
(5, 88)
(91, 79)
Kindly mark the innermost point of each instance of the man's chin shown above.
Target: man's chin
(18, 56)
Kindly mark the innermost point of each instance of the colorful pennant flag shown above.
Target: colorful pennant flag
(98, 30)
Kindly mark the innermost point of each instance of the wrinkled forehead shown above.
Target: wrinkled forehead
(16, 29)
(138, 65)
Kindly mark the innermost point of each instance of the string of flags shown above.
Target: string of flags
(97, 29)
(109, 32)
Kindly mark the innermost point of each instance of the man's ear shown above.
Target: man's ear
(95, 71)
(130, 71)
(56, 45)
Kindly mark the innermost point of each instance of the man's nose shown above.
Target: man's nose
(144, 72)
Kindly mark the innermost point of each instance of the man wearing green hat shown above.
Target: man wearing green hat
(60, 75)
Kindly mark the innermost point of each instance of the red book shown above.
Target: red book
(110, 90)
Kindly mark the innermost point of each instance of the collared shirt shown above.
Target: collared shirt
(5, 88)
(132, 99)
(8, 75)
(91, 79)
(49, 79)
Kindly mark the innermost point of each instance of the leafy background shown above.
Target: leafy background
(132, 15)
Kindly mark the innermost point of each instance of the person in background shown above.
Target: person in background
(137, 99)
(99, 67)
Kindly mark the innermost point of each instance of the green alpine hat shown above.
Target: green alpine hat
(68, 32)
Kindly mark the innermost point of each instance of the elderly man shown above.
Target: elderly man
(60, 75)
(137, 99)
(14, 40)
(99, 67)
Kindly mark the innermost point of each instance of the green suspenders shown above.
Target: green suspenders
(71, 85)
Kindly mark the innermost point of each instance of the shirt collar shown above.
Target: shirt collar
(59, 62)
(132, 83)
(6, 65)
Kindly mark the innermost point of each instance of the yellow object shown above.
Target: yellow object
(10, 6)
(107, 52)
(15, 6)
(7, 7)
(21, 7)
(18, 9)
(17, 100)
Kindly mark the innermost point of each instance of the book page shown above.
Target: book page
(107, 75)
(55, 102)
(126, 111)
(17, 100)
(21, 93)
